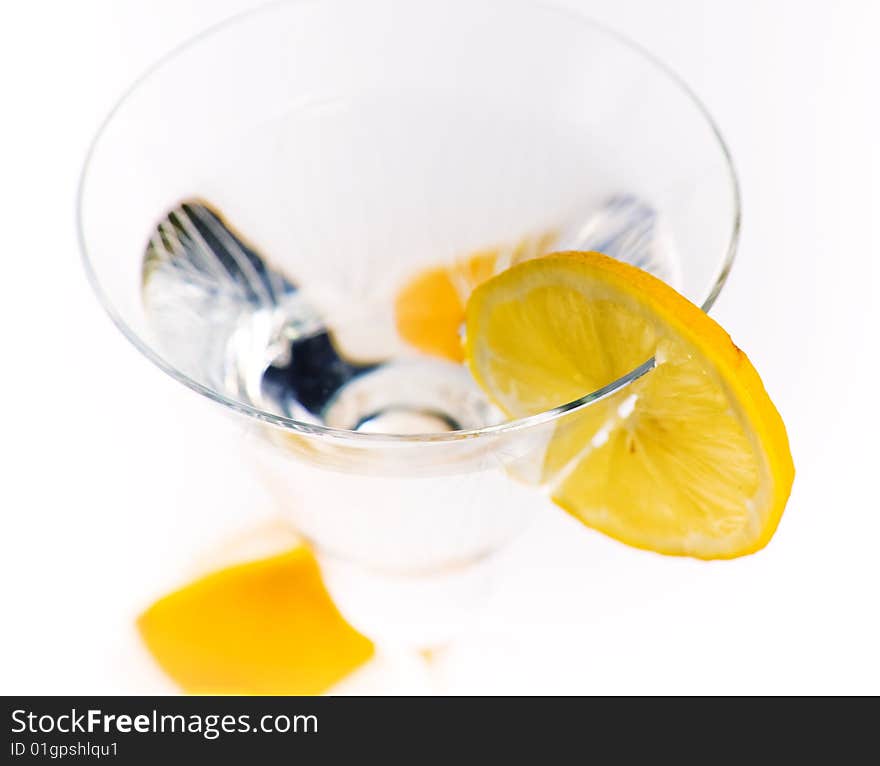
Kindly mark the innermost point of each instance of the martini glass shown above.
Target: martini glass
(354, 145)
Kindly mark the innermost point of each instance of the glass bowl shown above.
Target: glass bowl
(355, 145)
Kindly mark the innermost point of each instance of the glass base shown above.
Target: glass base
(409, 612)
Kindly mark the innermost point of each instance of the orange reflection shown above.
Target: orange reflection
(429, 309)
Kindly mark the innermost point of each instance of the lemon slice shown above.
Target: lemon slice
(690, 459)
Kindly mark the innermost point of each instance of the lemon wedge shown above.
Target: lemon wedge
(261, 627)
(690, 459)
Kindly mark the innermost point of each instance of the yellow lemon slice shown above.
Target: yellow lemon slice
(690, 459)
(263, 627)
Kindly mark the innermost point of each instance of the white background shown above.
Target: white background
(112, 490)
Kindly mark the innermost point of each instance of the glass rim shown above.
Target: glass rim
(359, 437)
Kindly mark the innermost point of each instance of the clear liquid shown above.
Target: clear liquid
(228, 319)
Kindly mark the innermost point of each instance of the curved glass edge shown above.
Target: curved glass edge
(337, 434)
